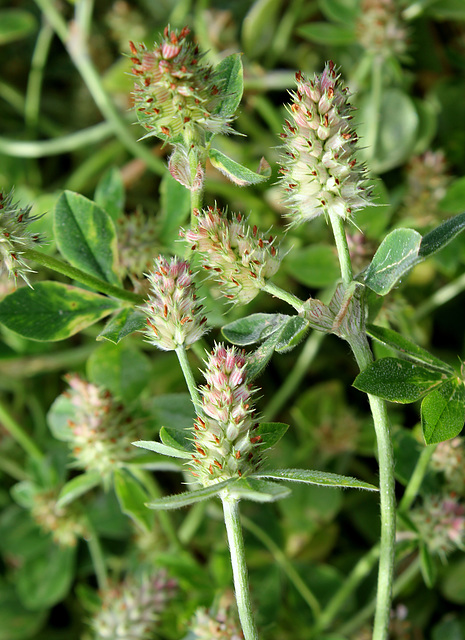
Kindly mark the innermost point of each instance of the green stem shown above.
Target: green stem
(12, 468)
(76, 274)
(55, 146)
(280, 558)
(17, 433)
(342, 247)
(239, 566)
(187, 371)
(364, 357)
(27, 366)
(36, 75)
(295, 377)
(96, 554)
(371, 136)
(73, 40)
(416, 478)
(290, 298)
(358, 573)
(364, 614)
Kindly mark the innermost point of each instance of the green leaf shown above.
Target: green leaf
(175, 438)
(258, 26)
(259, 490)
(16, 24)
(443, 412)
(122, 324)
(110, 194)
(398, 380)
(190, 497)
(253, 328)
(174, 409)
(396, 255)
(441, 236)
(454, 200)
(446, 10)
(132, 499)
(236, 172)
(397, 131)
(122, 369)
(78, 486)
(58, 417)
(23, 493)
(45, 580)
(175, 210)
(258, 360)
(344, 11)
(53, 311)
(270, 433)
(395, 340)
(16, 622)
(229, 75)
(159, 447)
(327, 33)
(290, 334)
(427, 566)
(85, 235)
(322, 478)
(314, 266)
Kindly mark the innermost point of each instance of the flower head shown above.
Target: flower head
(131, 609)
(174, 315)
(176, 96)
(101, 431)
(380, 29)
(449, 459)
(66, 524)
(15, 237)
(224, 434)
(320, 172)
(217, 623)
(441, 522)
(239, 256)
(137, 237)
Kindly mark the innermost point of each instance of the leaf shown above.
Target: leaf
(175, 210)
(190, 497)
(86, 237)
(109, 194)
(253, 328)
(446, 10)
(58, 417)
(229, 75)
(175, 409)
(322, 478)
(16, 24)
(53, 311)
(45, 580)
(236, 172)
(344, 11)
(122, 324)
(16, 622)
(270, 433)
(23, 493)
(398, 380)
(122, 369)
(258, 26)
(454, 199)
(259, 490)
(396, 255)
(314, 266)
(132, 499)
(397, 131)
(441, 236)
(258, 360)
(175, 438)
(78, 486)
(443, 412)
(164, 449)
(427, 566)
(290, 334)
(154, 462)
(327, 33)
(395, 340)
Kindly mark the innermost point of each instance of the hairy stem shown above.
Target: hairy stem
(277, 292)
(96, 554)
(81, 276)
(239, 567)
(188, 375)
(416, 478)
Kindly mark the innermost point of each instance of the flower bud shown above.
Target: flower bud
(220, 622)
(15, 237)
(238, 256)
(64, 523)
(101, 431)
(320, 172)
(174, 315)
(224, 433)
(176, 97)
(131, 609)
